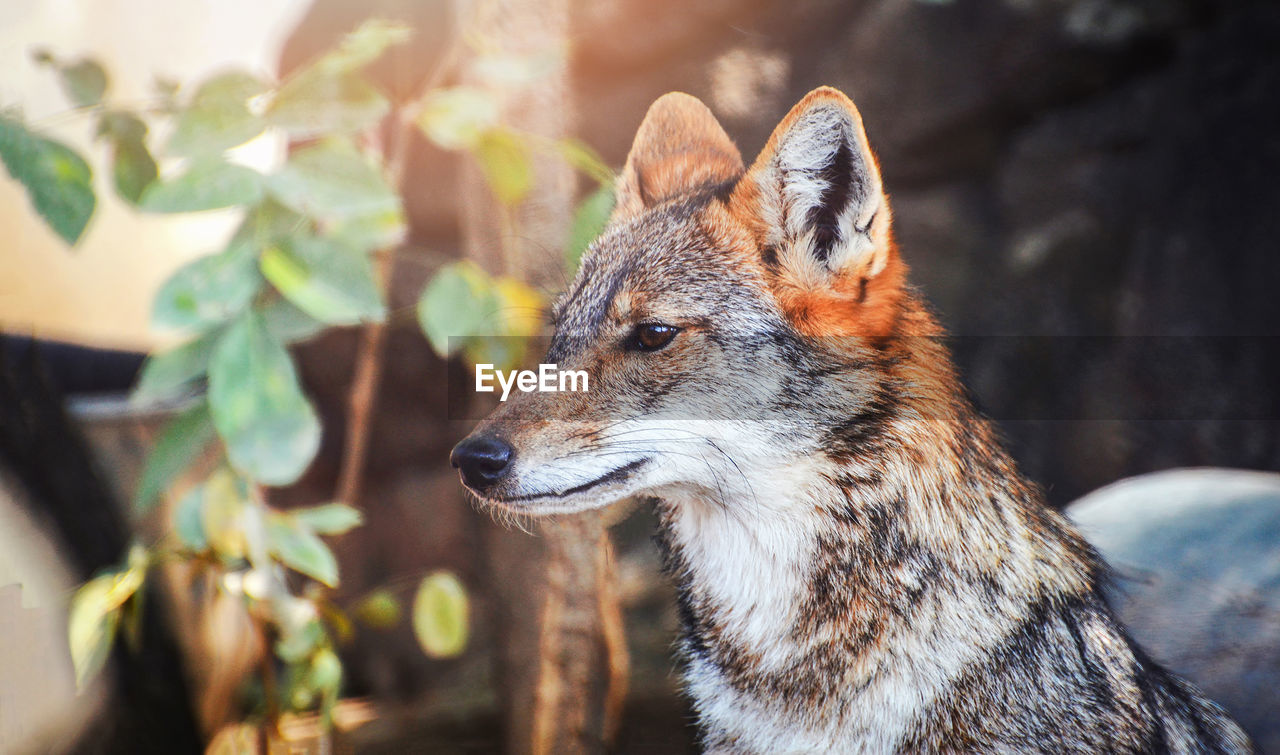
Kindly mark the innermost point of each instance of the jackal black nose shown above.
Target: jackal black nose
(482, 459)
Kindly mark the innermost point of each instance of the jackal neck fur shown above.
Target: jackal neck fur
(839, 599)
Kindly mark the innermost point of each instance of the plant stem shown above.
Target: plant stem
(270, 688)
(369, 355)
(370, 352)
(613, 627)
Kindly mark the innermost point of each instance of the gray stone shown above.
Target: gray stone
(1195, 555)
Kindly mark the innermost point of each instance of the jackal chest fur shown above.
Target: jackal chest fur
(816, 618)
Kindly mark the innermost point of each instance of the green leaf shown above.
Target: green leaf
(287, 323)
(315, 102)
(326, 670)
(300, 694)
(121, 125)
(585, 159)
(91, 628)
(326, 676)
(58, 181)
(299, 642)
(301, 631)
(504, 159)
(188, 520)
(264, 225)
(270, 428)
(223, 510)
(520, 306)
(218, 117)
(589, 219)
(328, 281)
(127, 581)
(269, 221)
(133, 167)
(518, 314)
(382, 230)
(329, 96)
(463, 308)
(131, 621)
(440, 620)
(379, 609)
(332, 180)
(337, 619)
(329, 519)
(456, 118)
(504, 352)
(168, 375)
(456, 303)
(208, 291)
(364, 45)
(297, 547)
(180, 444)
(84, 82)
(94, 616)
(206, 185)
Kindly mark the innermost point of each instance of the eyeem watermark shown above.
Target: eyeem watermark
(548, 379)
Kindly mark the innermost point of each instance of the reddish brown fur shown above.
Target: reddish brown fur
(681, 147)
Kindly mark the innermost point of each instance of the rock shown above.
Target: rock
(1196, 561)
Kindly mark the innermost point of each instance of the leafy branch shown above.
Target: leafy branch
(312, 251)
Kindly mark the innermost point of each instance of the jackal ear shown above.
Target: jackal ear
(679, 147)
(814, 193)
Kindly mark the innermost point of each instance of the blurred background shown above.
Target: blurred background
(1084, 189)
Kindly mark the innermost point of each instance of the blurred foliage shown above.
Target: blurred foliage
(299, 262)
(588, 221)
(96, 610)
(379, 609)
(464, 309)
(440, 615)
(58, 181)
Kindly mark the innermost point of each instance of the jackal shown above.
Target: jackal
(859, 565)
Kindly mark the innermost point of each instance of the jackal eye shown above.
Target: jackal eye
(651, 336)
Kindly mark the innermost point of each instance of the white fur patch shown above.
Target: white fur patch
(756, 569)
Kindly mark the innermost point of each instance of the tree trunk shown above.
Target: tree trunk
(562, 657)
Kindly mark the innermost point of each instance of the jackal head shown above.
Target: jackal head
(732, 321)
